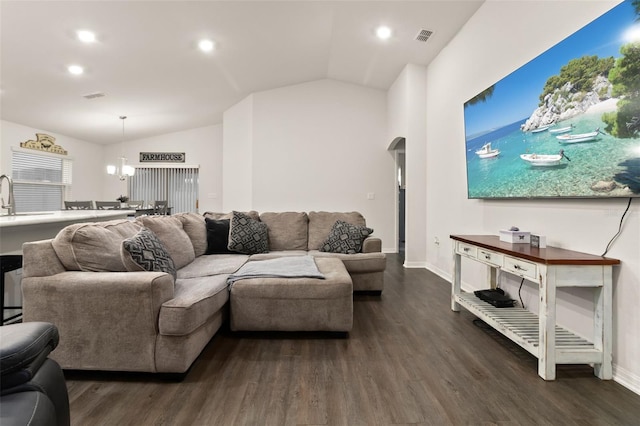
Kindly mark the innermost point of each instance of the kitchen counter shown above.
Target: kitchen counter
(18, 229)
(60, 216)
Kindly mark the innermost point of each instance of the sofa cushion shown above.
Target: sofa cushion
(213, 215)
(193, 224)
(247, 235)
(287, 230)
(217, 236)
(145, 252)
(345, 238)
(335, 284)
(170, 231)
(277, 254)
(94, 246)
(213, 265)
(195, 301)
(320, 224)
(357, 263)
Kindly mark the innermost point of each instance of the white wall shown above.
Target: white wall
(87, 158)
(202, 146)
(237, 163)
(498, 39)
(407, 116)
(317, 146)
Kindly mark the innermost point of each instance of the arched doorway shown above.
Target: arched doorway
(397, 148)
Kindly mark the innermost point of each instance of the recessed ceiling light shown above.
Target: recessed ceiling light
(86, 36)
(75, 69)
(206, 45)
(383, 32)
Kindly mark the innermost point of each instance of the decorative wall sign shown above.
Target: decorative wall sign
(44, 142)
(162, 157)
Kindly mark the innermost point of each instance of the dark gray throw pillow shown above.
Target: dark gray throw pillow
(247, 235)
(217, 236)
(147, 250)
(345, 238)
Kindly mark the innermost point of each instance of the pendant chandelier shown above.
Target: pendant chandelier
(123, 169)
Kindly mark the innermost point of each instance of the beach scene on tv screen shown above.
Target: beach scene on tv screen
(567, 123)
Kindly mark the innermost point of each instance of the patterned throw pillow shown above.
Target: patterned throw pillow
(345, 238)
(247, 235)
(149, 253)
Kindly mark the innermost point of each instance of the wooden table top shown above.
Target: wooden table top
(548, 255)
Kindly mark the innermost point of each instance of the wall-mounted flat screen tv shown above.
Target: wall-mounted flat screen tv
(567, 123)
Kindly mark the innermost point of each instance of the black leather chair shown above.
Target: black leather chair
(32, 386)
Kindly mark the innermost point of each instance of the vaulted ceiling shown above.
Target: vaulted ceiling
(147, 64)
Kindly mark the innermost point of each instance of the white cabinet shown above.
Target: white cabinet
(550, 268)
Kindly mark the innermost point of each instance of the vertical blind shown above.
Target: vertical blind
(40, 181)
(177, 185)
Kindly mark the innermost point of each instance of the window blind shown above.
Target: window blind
(40, 181)
(177, 185)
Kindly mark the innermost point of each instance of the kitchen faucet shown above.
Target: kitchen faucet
(11, 204)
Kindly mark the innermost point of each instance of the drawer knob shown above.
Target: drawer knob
(487, 256)
(519, 268)
(466, 249)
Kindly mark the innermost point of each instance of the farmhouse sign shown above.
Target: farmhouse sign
(162, 157)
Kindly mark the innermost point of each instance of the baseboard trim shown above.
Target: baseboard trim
(626, 378)
(415, 264)
(439, 272)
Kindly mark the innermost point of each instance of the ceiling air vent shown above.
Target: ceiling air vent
(424, 35)
(93, 95)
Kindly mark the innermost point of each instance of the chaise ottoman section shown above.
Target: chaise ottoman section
(295, 304)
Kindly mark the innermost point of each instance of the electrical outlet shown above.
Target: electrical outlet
(371, 196)
(436, 241)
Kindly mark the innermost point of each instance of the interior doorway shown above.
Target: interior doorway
(397, 147)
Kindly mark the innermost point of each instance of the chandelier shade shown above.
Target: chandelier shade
(122, 170)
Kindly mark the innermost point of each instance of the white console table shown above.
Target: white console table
(550, 268)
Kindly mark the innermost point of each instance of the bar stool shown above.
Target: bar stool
(8, 263)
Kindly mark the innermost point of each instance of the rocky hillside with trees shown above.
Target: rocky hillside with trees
(581, 83)
(625, 77)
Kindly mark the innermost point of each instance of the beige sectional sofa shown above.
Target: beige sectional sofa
(112, 314)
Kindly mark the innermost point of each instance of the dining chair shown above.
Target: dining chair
(160, 207)
(107, 205)
(78, 205)
(136, 204)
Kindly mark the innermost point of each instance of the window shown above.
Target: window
(40, 180)
(177, 185)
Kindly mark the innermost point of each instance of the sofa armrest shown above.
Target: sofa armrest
(98, 314)
(372, 245)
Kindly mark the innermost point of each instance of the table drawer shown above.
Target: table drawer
(490, 257)
(520, 267)
(467, 250)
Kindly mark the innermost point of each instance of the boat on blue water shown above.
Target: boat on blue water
(580, 137)
(487, 152)
(560, 130)
(541, 128)
(544, 160)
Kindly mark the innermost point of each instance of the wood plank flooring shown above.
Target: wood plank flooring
(408, 360)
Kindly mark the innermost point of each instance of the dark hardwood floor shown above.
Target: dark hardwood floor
(408, 360)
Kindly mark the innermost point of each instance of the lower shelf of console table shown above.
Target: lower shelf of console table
(521, 326)
(550, 268)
